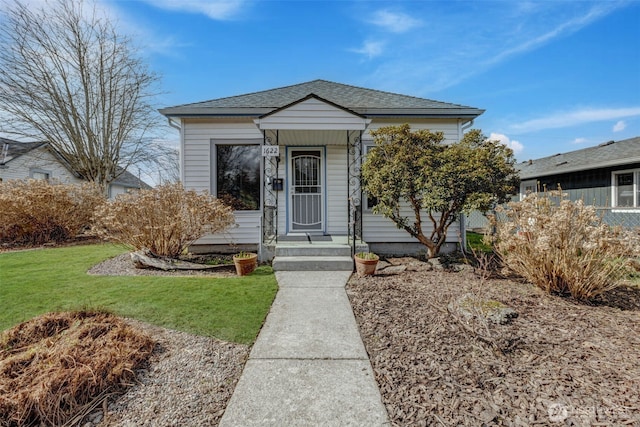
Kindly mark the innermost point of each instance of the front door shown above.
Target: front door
(306, 191)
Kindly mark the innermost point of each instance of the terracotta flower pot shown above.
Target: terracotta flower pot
(245, 263)
(366, 266)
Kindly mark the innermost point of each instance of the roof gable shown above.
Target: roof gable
(10, 149)
(366, 102)
(312, 112)
(612, 153)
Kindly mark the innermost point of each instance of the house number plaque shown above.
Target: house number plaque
(270, 151)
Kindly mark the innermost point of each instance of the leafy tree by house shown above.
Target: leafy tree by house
(67, 77)
(417, 174)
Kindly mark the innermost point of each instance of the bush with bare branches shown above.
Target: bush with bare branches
(38, 211)
(165, 219)
(563, 246)
(61, 365)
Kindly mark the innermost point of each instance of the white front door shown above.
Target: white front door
(306, 200)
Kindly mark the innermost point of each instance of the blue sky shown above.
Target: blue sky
(553, 76)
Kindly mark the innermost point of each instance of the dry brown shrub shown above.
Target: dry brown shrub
(55, 365)
(37, 211)
(562, 246)
(165, 219)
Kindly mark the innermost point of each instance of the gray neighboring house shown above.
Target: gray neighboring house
(606, 176)
(288, 160)
(37, 160)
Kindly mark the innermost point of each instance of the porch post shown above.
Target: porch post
(354, 163)
(270, 196)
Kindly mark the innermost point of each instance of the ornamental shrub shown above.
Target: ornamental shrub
(562, 246)
(165, 219)
(37, 211)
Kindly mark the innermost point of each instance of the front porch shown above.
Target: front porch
(311, 194)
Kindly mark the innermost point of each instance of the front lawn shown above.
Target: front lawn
(475, 242)
(37, 281)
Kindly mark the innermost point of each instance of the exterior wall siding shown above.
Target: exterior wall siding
(378, 229)
(198, 170)
(41, 160)
(245, 231)
(312, 114)
(593, 186)
(337, 190)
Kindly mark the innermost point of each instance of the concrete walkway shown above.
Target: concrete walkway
(308, 366)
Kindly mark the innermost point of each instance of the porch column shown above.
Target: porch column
(270, 196)
(354, 163)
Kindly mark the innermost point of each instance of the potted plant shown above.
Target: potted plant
(245, 262)
(366, 263)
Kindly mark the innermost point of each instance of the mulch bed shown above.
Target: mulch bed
(559, 361)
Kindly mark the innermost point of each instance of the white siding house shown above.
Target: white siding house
(289, 160)
(36, 160)
(32, 160)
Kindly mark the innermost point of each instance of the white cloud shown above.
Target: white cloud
(563, 28)
(370, 49)
(516, 146)
(580, 140)
(574, 118)
(214, 9)
(394, 21)
(472, 49)
(619, 126)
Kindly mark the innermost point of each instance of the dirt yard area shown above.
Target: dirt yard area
(559, 362)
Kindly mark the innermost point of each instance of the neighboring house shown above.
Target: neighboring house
(37, 160)
(606, 176)
(288, 160)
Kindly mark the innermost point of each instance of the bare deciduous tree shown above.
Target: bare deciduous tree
(68, 77)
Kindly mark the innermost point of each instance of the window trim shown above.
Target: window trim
(636, 188)
(34, 171)
(213, 169)
(526, 183)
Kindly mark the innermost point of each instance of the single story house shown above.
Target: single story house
(606, 176)
(288, 160)
(37, 160)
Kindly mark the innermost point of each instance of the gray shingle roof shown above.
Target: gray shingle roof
(612, 153)
(129, 180)
(363, 101)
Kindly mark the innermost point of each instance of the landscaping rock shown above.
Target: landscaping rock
(382, 265)
(463, 268)
(436, 264)
(410, 263)
(392, 269)
(469, 306)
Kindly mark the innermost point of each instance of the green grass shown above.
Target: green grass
(34, 282)
(476, 243)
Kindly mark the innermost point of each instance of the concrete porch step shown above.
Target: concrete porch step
(312, 263)
(288, 250)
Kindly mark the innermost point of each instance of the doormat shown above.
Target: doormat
(303, 238)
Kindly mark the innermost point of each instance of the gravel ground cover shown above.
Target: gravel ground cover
(188, 382)
(559, 362)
